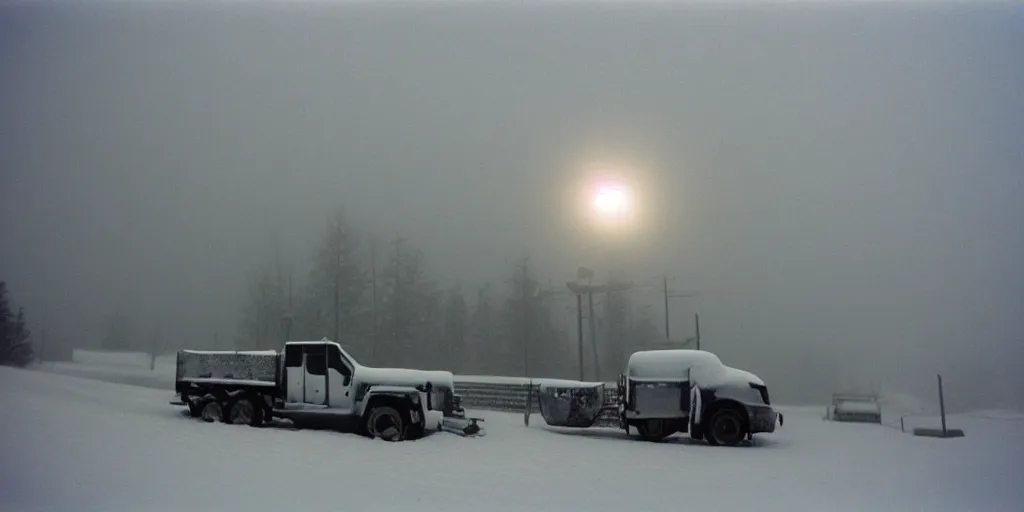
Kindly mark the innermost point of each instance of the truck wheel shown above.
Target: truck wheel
(245, 412)
(212, 411)
(385, 423)
(653, 430)
(727, 428)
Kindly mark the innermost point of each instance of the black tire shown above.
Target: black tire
(726, 427)
(654, 430)
(245, 412)
(385, 423)
(211, 412)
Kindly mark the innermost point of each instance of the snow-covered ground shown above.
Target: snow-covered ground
(68, 443)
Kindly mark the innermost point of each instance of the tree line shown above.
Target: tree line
(379, 301)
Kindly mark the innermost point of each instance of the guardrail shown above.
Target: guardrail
(512, 397)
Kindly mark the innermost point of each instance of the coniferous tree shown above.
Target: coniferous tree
(263, 311)
(410, 310)
(15, 347)
(332, 302)
(486, 334)
(455, 329)
(532, 345)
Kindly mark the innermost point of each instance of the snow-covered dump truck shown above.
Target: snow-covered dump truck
(667, 391)
(311, 379)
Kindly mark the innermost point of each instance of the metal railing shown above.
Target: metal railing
(513, 398)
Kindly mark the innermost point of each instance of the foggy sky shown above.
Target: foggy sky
(837, 181)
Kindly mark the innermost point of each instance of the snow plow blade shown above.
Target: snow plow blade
(570, 403)
(466, 427)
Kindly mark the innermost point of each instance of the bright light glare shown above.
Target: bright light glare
(611, 201)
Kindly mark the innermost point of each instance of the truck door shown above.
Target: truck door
(339, 379)
(315, 374)
(295, 373)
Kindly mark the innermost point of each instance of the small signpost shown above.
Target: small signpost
(940, 432)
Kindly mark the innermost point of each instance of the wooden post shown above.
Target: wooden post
(942, 407)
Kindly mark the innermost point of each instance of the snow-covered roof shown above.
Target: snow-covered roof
(233, 352)
(657, 364)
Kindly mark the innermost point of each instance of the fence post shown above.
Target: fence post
(942, 407)
(529, 403)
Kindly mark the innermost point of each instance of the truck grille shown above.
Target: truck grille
(441, 399)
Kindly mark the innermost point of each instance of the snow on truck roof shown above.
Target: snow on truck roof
(668, 363)
(238, 352)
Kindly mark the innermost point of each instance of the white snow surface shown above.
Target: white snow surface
(108, 357)
(68, 443)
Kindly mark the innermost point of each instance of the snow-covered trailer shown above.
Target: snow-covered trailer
(667, 391)
(855, 408)
(318, 380)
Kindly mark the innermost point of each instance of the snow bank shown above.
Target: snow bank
(110, 358)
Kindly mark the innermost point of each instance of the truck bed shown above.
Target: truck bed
(248, 368)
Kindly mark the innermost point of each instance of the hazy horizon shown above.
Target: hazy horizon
(836, 181)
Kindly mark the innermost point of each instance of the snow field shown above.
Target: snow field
(69, 443)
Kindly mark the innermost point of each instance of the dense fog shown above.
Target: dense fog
(837, 185)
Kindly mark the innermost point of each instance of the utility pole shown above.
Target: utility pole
(579, 289)
(668, 295)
